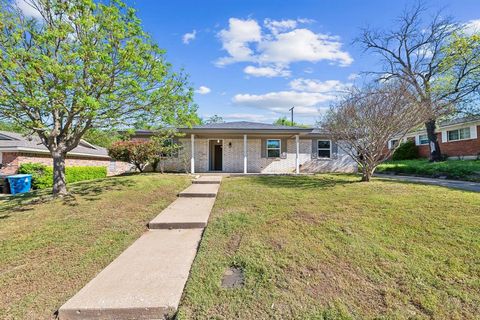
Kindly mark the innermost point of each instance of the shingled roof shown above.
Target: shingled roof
(12, 141)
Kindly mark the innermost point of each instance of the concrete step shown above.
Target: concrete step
(145, 282)
(184, 213)
(200, 191)
(208, 180)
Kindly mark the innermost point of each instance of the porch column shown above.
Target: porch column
(192, 159)
(297, 158)
(244, 153)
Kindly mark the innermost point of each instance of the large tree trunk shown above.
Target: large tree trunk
(435, 152)
(59, 181)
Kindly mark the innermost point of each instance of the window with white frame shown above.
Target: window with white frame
(458, 134)
(423, 139)
(393, 143)
(273, 148)
(324, 148)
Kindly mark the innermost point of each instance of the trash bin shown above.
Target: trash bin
(19, 183)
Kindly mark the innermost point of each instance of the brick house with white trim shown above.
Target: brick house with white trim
(250, 147)
(458, 139)
(16, 149)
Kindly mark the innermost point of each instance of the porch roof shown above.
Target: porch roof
(238, 127)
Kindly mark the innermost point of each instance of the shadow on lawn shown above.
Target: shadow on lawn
(305, 182)
(88, 190)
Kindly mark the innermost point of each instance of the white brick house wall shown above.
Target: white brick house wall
(233, 158)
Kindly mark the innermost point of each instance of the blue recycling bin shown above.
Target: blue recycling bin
(20, 183)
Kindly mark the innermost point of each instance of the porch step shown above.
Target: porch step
(207, 180)
(145, 282)
(184, 213)
(200, 191)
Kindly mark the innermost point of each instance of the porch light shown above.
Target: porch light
(218, 141)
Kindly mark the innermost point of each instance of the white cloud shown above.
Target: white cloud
(27, 9)
(353, 76)
(203, 90)
(268, 72)
(304, 102)
(310, 97)
(278, 45)
(189, 36)
(303, 45)
(472, 26)
(276, 26)
(313, 85)
(236, 40)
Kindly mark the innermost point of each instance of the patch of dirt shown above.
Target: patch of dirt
(233, 278)
(234, 243)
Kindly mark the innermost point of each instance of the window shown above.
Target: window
(459, 134)
(423, 139)
(393, 143)
(323, 148)
(273, 148)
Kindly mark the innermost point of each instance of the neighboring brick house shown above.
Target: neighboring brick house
(250, 147)
(458, 139)
(16, 149)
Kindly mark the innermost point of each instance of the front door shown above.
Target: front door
(216, 155)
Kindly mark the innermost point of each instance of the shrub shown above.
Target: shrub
(137, 153)
(406, 151)
(42, 175)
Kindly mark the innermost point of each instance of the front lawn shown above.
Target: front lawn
(329, 247)
(48, 251)
(451, 169)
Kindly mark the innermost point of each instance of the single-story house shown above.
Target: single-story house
(16, 149)
(250, 147)
(458, 139)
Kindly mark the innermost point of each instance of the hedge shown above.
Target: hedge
(406, 151)
(452, 169)
(42, 175)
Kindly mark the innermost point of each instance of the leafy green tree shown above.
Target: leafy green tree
(462, 52)
(283, 121)
(215, 119)
(413, 52)
(83, 64)
(9, 126)
(102, 138)
(166, 147)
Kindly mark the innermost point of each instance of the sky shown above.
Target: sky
(253, 60)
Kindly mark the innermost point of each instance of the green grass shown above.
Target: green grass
(49, 249)
(329, 247)
(452, 169)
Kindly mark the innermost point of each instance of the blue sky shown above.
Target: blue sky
(254, 59)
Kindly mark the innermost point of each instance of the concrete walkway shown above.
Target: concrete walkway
(455, 184)
(146, 281)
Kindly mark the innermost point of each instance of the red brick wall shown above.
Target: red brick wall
(12, 160)
(460, 148)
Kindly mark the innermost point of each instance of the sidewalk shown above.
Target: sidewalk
(146, 281)
(454, 184)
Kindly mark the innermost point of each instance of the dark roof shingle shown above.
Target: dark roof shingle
(9, 140)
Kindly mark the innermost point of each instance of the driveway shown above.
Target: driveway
(455, 184)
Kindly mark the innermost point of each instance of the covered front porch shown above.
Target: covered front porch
(246, 152)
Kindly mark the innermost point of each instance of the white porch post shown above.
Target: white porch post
(297, 159)
(244, 153)
(192, 159)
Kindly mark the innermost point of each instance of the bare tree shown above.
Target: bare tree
(365, 120)
(413, 52)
